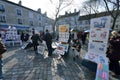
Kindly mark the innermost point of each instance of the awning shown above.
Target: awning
(17, 27)
(22, 27)
(87, 31)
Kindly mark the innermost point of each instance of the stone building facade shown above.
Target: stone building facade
(82, 22)
(21, 17)
(70, 19)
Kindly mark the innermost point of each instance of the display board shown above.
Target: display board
(12, 36)
(97, 47)
(98, 39)
(63, 33)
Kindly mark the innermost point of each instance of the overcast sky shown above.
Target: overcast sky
(47, 6)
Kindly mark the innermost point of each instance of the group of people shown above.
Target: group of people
(113, 52)
(47, 37)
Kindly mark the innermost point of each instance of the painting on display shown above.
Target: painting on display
(100, 48)
(102, 72)
(61, 49)
(99, 34)
(101, 22)
(63, 28)
(41, 49)
(92, 56)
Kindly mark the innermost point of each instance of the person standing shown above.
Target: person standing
(22, 36)
(83, 38)
(35, 39)
(114, 53)
(2, 50)
(48, 40)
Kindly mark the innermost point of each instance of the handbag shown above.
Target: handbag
(2, 48)
(41, 49)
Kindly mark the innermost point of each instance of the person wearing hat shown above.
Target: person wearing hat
(114, 53)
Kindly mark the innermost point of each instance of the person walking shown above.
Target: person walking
(2, 50)
(35, 39)
(113, 53)
(48, 39)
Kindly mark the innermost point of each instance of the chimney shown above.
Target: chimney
(20, 2)
(66, 13)
(75, 10)
(39, 10)
(45, 13)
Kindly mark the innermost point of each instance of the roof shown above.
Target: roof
(20, 5)
(87, 17)
(69, 15)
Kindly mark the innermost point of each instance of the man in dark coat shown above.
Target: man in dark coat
(48, 40)
(35, 39)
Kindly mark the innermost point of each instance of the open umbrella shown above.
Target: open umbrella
(87, 31)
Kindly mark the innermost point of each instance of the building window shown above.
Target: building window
(80, 23)
(86, 22)
(116, 26)
(2, 8)
(2, 18)
(20, 21)
(39, 24)
(31, 15)
(39, 18)
(31, 23)
(19, 12)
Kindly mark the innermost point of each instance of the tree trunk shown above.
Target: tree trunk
(113, 25)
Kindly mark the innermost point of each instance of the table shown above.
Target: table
(13, 42)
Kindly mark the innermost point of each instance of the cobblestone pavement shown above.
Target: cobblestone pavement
(19, 64)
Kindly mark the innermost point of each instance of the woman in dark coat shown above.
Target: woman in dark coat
(114, 53)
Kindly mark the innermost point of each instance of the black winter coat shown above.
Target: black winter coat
(114, 48)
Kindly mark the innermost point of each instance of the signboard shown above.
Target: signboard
(41, 49)
(98, 38)
(97, 47)
(63, 33)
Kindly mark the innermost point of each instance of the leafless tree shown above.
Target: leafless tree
(60, 6)
(91, 6)
(113, 7)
